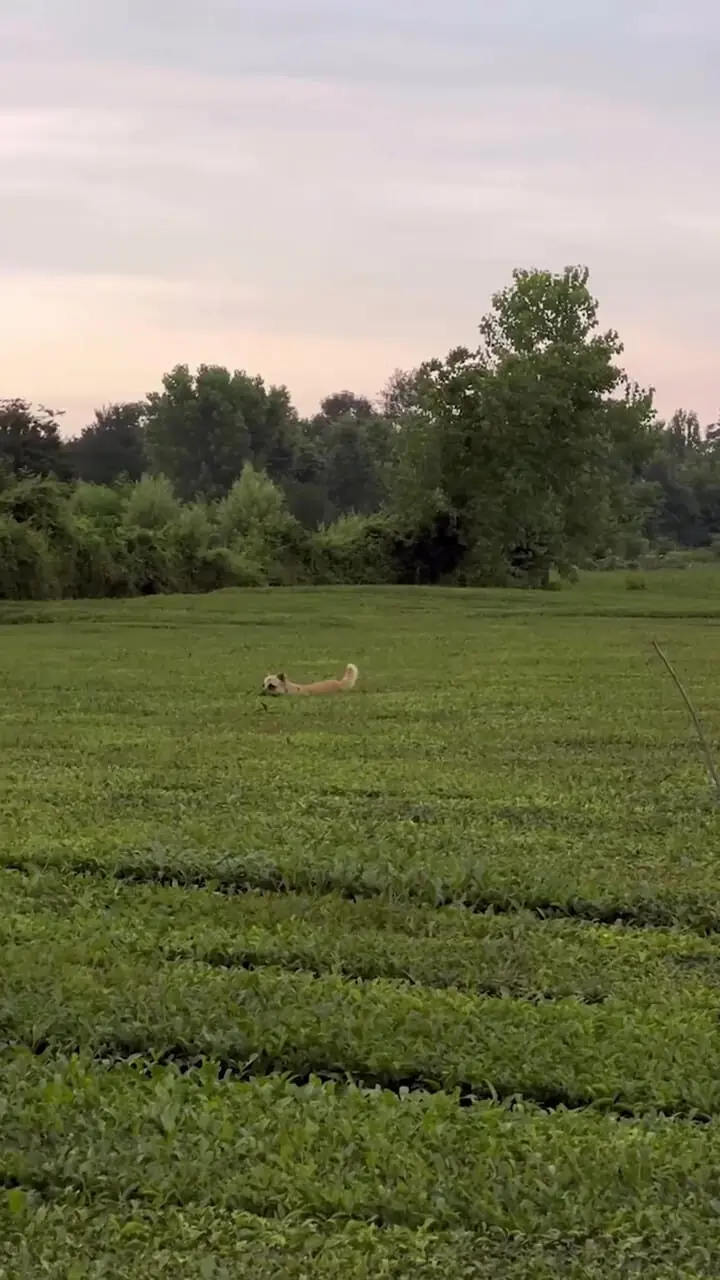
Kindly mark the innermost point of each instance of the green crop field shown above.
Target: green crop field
(420, 981)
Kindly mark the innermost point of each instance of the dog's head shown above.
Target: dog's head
(274, 684)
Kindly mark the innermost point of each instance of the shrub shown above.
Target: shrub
(100, 504)
(355, 549)
(151, 504)
(27, 570)
(253, 520)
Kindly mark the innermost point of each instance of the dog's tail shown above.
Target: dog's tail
(351, 674)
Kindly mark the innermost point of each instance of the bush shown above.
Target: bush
(151, 504)
(40, 507)
(355, 549)
(90, 540)
(100, 504)
(253, 520)
(27, 570)
(189, 538)
(99, 566)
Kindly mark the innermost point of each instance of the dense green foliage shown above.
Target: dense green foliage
(421, 981)
(533, 454)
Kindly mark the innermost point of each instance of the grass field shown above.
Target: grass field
(423, 981)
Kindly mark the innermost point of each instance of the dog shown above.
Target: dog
(273, 685)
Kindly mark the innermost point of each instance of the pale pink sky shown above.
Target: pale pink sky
(321, 191)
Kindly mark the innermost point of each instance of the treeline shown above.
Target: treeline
(535, 452)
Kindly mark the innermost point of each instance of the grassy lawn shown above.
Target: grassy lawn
(423, 980)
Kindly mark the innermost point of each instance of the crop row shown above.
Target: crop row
(65, 1240)
(271, 1148)
(479, 881)
(515, 954)
(662, 1055)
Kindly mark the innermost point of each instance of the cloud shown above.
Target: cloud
(665, 19)
(323, 192)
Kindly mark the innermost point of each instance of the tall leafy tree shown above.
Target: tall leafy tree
(685, 473)
(30, 440)
(683, 434)
(276, 434)
(203, 428)
(196, 431)
(112, 447)
(353, 482)
(533, 442)
(352, 442)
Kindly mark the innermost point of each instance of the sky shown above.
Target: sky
(322, 191)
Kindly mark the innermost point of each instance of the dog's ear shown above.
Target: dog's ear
(281, 677)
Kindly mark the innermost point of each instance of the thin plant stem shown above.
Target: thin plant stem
(712, 768)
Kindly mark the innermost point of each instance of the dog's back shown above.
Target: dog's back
(348, 681)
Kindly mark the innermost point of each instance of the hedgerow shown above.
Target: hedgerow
(416, 880)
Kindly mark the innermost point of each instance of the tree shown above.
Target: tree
(196, 432)
(685, 475)
(254, 507)
(202, 429)
(112, 447)
(344, 405)
(683, 435)
(275, 434)
(30, 441)
(353, 483)
(399, 398)
(351, 445)
(254, 520)
(533, 443)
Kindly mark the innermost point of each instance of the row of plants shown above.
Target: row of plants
(164, 1138)
(660, 1055)
(519, 954)
(503, 881)
(67, 1239)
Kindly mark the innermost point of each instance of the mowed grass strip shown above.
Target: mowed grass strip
(514, 955)
(322, 1151)
(622, 1055)
(494, 752)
